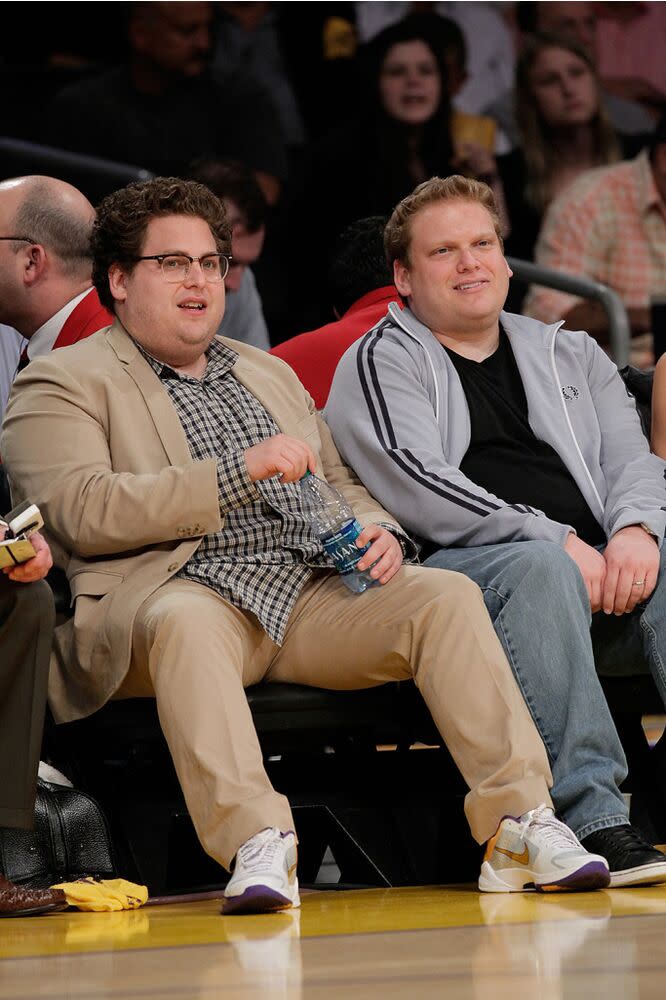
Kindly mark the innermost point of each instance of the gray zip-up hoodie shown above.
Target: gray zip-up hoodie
(400, 419)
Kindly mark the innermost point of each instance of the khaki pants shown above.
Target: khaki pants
(195, 652)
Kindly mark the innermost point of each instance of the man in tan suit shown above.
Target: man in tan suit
(166, 462)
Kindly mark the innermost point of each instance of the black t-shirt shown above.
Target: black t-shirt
(504, 454)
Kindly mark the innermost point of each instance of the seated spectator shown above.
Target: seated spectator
(195, 571)
(403, 132)
(360, 289)
(247, 38)
(246, 211)
(564, 131)
(609, 225)
(45, 264)
(630, 40)
(26, 630)
(487, 40)
(578, 22)
(449, 38)
(164, 110)
(400, 136)
(546, 497)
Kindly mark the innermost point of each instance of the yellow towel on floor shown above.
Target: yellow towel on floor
(105, 894)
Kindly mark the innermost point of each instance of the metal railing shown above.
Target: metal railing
(618, 321)
(94, 175)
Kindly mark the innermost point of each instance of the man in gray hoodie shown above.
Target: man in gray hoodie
(512, 449)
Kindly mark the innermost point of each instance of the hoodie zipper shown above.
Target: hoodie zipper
(567, 418)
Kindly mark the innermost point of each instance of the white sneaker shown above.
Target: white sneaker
(538, 852)
(264, 877)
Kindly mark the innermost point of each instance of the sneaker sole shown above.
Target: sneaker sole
(642, 875)
(259, 899)
(591, 876)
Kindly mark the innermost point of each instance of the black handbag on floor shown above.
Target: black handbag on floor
(70, 839)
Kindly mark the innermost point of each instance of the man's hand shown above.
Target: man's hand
(632, 566)
(35, 568)
(592, 566)
(280, 455)
(385, 551)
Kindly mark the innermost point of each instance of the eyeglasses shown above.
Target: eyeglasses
(176, 266)
(19, 239)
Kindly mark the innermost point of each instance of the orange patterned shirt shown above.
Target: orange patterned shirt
(609, 225)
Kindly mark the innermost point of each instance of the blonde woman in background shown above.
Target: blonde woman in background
(564, 132)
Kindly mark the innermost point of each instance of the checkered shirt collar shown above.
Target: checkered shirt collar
(220, 360)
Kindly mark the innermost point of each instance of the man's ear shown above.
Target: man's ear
(118, 282)
(35, 263)
(401, 278)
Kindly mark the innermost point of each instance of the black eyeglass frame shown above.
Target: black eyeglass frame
(19, 239)
(161, 257)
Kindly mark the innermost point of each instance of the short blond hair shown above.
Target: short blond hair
(398, 235)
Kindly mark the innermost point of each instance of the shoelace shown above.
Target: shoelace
(552, 830)
(626, 838)
(258, 854)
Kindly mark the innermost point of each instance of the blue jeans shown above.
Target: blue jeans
(539, 607)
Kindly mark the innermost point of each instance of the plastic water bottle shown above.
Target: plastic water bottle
(333, 521)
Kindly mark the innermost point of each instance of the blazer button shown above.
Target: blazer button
(172, 568)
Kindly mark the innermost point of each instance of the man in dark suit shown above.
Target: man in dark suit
(26, 628)
(47, 296)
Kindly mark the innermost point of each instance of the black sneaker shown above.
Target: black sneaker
(632, 861)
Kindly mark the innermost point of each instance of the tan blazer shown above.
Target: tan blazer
(91, 436)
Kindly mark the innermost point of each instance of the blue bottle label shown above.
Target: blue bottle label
(341, 546)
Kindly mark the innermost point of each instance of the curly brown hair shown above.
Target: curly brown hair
(123, 216)
(398, 235)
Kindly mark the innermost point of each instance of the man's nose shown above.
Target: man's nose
(195, 275)
(467, 260)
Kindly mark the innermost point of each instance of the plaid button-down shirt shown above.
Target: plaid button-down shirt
(258, 560)
(609, 225)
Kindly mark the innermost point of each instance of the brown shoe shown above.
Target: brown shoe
(22, 901)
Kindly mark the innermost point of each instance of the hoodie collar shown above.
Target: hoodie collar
(520, 326)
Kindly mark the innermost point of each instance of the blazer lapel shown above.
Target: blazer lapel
(267, 386)
(162, 411)
(272, 393)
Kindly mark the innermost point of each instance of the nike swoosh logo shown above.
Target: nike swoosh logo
(522, 859)
(291, 870)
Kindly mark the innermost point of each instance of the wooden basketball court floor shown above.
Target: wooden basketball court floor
(415, 943)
